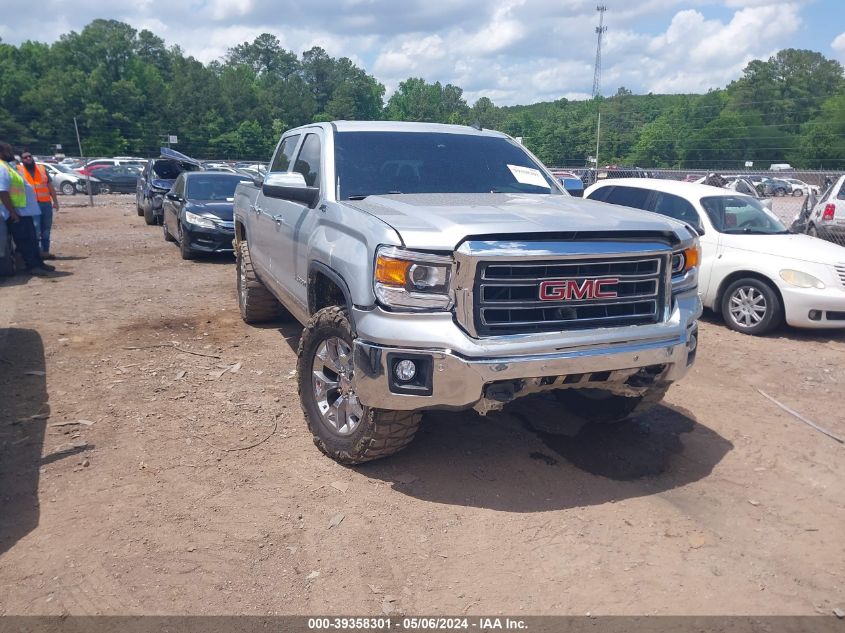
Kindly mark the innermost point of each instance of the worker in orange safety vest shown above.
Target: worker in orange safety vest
(37, 176)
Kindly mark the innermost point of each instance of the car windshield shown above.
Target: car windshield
(213, 187)
(64, 169)
(373, 163)
(170, 169)
(741, 215)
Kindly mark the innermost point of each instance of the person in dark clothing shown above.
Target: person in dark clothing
(14, 209)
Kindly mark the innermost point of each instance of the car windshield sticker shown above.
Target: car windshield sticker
(528, 176)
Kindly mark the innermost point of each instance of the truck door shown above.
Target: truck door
(292, 228)
(262, 230)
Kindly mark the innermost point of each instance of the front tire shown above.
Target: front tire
(104, 188)
(68, 188)
(343, 428)
(167, 236)
(256, 303)
(751, 306)
(184, 246)
(149, 216)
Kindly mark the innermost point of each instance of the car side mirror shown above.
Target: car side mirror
(290, 186)
(258, 181)
(170, 195)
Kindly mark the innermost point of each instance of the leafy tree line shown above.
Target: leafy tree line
(128, 90)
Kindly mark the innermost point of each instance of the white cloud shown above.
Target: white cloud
(838, 45)
(512, 51)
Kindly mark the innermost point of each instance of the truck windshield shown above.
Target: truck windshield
(374, 163)
(742, 215)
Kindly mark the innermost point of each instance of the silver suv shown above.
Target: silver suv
(443, 267)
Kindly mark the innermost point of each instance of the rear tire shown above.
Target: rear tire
(256, 303)
(8, 263)
(363, 434)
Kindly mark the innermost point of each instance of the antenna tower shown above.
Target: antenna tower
(600, 31)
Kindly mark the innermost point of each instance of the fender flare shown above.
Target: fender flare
(335, 278)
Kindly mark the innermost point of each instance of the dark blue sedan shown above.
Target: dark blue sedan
(198, 212)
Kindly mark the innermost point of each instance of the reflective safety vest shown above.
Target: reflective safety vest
(38, 180)
(17, 190)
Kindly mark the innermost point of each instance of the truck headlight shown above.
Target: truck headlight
(801, 280)
(408, 280)
(685, 263)
(198, 220)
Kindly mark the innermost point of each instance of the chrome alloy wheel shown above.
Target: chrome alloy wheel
(331, 376)
(747, 306)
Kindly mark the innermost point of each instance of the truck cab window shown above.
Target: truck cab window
(281, 161)
(308, 161)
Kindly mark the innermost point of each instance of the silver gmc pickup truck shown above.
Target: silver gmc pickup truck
(443, 267)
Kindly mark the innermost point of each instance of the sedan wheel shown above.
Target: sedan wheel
(68, 188)
(750, 306)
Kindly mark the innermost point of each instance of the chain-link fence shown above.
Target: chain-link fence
(805, 201)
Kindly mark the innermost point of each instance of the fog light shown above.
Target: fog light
(815, 315)
(692, 344)
(405, 370)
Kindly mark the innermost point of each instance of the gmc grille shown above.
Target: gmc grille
(507, 296)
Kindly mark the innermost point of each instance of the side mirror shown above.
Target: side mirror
(258, 181)
(173, 196)
(290, 187)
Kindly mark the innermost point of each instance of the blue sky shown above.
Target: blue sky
(512, 51)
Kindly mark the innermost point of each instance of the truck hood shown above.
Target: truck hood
(799, 247)
(441, 221)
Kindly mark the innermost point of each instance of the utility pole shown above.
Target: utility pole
(601, 29)
(87, 174)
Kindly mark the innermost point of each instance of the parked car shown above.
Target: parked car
(801, 188)
(441, 266)
(769, 187)
(197, 212)
(156, 180)
(111, 162)
(737, 183)
(753, 271)
(120, 179)
(572, 183)
(826, 217)
(65, 180)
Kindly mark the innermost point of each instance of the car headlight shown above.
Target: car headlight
(801, 280)
(198, 220)
(408, 280)
(685, 265)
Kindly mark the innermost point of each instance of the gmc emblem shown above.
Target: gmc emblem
(569, 289)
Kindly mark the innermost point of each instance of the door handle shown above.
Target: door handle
(255, 208)
(280, 220)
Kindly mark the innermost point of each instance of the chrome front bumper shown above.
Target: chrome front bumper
(462, 368)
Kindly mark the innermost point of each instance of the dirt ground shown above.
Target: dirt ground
(716, 503)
